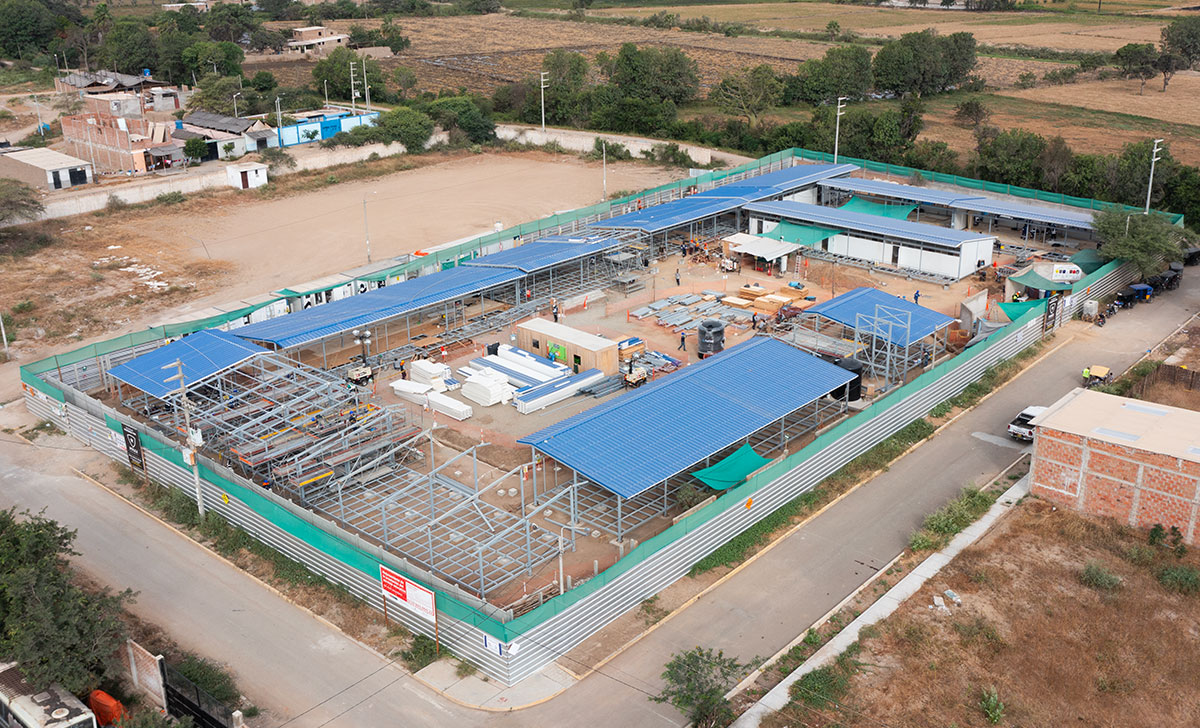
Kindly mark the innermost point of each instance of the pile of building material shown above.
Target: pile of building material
(411, 391)
(532, 399)
(605, 386)
(434, 374)
(449, 406)
(549, 369)
(487, 387)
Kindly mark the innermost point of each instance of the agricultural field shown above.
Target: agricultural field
(1077, 31)
(481, 53)
(1180, 104)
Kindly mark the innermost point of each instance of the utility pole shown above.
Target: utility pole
(36, 105)
(544, 83)
(327, 93)
(194, 441)
(1150, 185)
(353, 90)
(278, 123)
(366, 232)
(235, 113)
(837, 127)
(4, 337)
(604, 165)
(366, 86)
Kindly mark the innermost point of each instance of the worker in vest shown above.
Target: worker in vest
(1016, 297)
(1087, 374)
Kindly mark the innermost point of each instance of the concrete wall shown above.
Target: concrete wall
(584, 141)
(1136, 487)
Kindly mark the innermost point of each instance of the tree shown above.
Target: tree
(1136, 60)
(912, 117)
(186, 19)
(696, 683)
(263, 39)
(566, 90)
(335, 68)
(1168, 64)
(1183, 37)
(1055, 160)
(26, 26)
(223, 58)
(215, 93)
(1147, 241)
(933, 156)
(972, 112)
(895, 68)
(843, 71)
(924, 62)
(128, 48)
(55, 631)
(264, 81)
(405, 81)
(227, 21)
(833, 29)
(1011, 157)
(462, 113)
(18, 201)
(749, 93)
(1129, 174)
(171, 45)
(278, 9)
(195, 149)
(479, 7)
(655, 74)
(407, 126)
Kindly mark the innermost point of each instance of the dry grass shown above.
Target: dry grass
(1058, 651)
(1178, 105)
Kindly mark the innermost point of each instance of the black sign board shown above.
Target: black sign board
(133, 447)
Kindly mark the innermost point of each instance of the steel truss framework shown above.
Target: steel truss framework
(329, 447)
(872, 340)
(605, 511)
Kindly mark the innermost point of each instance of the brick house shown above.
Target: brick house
(316, 39)
(1135, 461)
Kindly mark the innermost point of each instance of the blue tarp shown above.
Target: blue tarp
(845, 308)
(641, 438)
(204, 354)
(338, 317)
(724, 198)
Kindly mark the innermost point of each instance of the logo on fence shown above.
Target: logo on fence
(133, 447)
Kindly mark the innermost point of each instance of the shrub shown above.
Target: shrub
(922, 541)
(990, 705)
(1099, 578)
(1181, 578)
(821, 688)
(277, 159)
(1139, 555)
(23, 307)
(421, 653)
(115, 204)
(465, 669)
(170, 198)
(210, 677)
(1026, 80)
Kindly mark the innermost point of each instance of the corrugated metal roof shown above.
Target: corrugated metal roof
(838, 218)
(220, 122)
(204, 354)
(347, 314)
(1031, 213)
(547, 252)
(643, 437)
(46, 159)
(724, 198)
(909, 193)
(845, 308)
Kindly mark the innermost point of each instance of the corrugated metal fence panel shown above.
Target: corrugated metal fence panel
(559, 634)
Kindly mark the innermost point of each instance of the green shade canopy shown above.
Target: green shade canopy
(1030, 279)
(1015, 310)
(806, 235)
(733, 469)
(896, 212)
(1088, 260)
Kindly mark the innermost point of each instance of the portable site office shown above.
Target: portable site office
(577, 349)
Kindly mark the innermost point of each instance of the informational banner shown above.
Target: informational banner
(412, 596)
(1066, 273)
(133, 447)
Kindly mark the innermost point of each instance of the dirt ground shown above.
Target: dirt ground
(481, 53)
(1179, 104)
(1044, 30)
(1057, 652)
(108, 272)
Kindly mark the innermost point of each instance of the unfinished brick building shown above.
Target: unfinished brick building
(1138, 462)
(117, 144)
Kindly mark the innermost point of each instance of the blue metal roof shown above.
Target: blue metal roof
(645, 436)
(908, 193)
(845, 308)
(1030, 213)
(338, 317)
(833, 217)
(547, 252)
(724, 198)
(204, 354)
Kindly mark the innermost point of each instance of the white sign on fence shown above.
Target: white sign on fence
(411, 595)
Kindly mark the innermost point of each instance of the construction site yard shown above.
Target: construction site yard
(1065, 620)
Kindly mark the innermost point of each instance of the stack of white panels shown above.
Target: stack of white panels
(431, 373)
(519, 375)
(548, 369)
(533, 399)
(487, 387)
(449, 406)
(411, 391)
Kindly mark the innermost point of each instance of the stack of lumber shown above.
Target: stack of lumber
(487, 387)
(791, 294)
(449, 406)
(737, 302)
(751, 291)
(770, 304)
(424, 371)
(630, 348)
(411, 391)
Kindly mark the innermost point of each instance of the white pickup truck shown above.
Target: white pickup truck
(1019, 428)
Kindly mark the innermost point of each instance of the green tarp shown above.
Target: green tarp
(806, 235)
(896, 212)
(1030, 279)
(1015, 310)
(733, 469)
(1089, 260)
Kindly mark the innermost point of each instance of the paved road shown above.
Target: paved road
(290, 661)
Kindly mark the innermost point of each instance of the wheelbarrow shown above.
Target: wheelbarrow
(1097, 375)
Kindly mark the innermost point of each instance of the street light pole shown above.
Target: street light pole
(1150, 185)
(193, 438)
(544, 83)
(837, 126)
(366, 230)
(235, 113)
